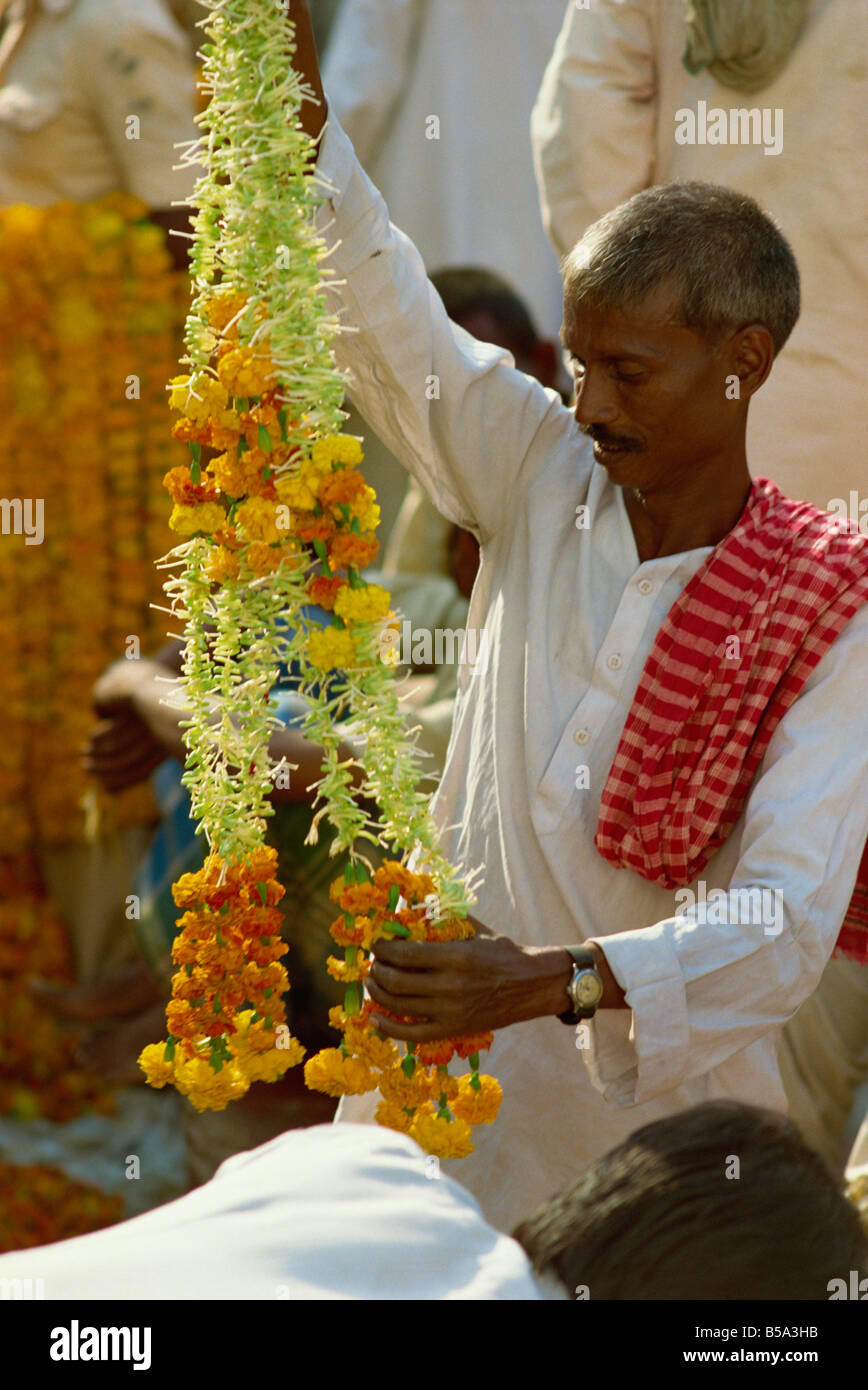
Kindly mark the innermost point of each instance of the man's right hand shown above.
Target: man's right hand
(306, 63)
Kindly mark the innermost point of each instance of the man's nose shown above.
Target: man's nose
(593, 403)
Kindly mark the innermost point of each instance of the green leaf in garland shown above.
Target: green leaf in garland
(264, 438)
(263, 894)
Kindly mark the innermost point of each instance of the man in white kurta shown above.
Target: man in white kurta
(604, 126)
(570, 616)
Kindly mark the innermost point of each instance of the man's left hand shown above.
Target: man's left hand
(461, 987)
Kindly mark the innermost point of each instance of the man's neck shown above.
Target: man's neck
(690, 515)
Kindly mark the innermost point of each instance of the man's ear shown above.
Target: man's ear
(545, 362)
(750, 357)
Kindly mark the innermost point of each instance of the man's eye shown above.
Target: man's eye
(630, 377)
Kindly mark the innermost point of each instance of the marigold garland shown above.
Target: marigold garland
(279, 517)
(90, 319)
(40, 1204)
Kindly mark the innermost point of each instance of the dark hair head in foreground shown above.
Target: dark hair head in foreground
(729, 261)
(664, 1216)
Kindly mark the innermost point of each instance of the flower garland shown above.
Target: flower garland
(90, 317)
(40, 1204)
(280, 517)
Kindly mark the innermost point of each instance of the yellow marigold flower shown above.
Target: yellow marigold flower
(222, 564)
(198, 397)
(262, 558)
(331, 649)
(340, 970)
(259, 520)
(364, 605)
(363, 1042)
(404, 1090)
(153, 1063)
(208, 1089)
(367, 510)
(223, 308)
(245, 372)
(209, 401)
(477, 1107)
(393, 1117)
(442, 1083)
(270, 1066)
(188, 520)
(296, 492)
(229, 475)
(340, 448)
(445, 1138)
(336, 1075)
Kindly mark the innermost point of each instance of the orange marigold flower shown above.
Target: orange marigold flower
(188, 432)
(262, 558)
(180, 486)
(228, 537)
(359, 934)
(474, 1042)
(436, 1054)
(341, 487)
(323, 589)
(357, 897)
(347, 549)
(314, 528)
(181, 1019)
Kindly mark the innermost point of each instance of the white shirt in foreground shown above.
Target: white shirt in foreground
(570, 616)
(336, 1211)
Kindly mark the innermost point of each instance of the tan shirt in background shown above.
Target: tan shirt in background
(76, 73)
(604, 127)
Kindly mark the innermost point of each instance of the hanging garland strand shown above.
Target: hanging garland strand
(282, 518)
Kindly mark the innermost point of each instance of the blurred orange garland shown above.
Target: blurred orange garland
(40, 1204)
(90, 319)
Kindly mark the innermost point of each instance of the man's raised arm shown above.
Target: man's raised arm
(471, 429)
(312, 116)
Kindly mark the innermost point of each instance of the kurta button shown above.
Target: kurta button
(644, 586)
(614, 662)
(581, 736)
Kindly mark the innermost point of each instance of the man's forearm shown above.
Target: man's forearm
(305, 61)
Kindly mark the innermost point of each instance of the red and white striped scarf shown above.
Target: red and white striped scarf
(731, 656)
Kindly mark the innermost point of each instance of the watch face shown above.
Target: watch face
(588, 989)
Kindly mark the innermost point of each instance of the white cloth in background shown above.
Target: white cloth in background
(604, 127)
(571, 616)
(82, 68)
(324, 1213)
(468, 197)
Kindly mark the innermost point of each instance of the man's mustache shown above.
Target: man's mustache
(612, 441)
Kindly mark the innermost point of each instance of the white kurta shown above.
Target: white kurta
(467, 196)
(322, 1213)
(570, 617)
(604, 127)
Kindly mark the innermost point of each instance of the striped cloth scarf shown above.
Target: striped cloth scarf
(731, 656)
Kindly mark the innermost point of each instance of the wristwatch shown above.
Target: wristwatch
(585, 988)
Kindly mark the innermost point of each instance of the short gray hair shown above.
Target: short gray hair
(733, 265)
